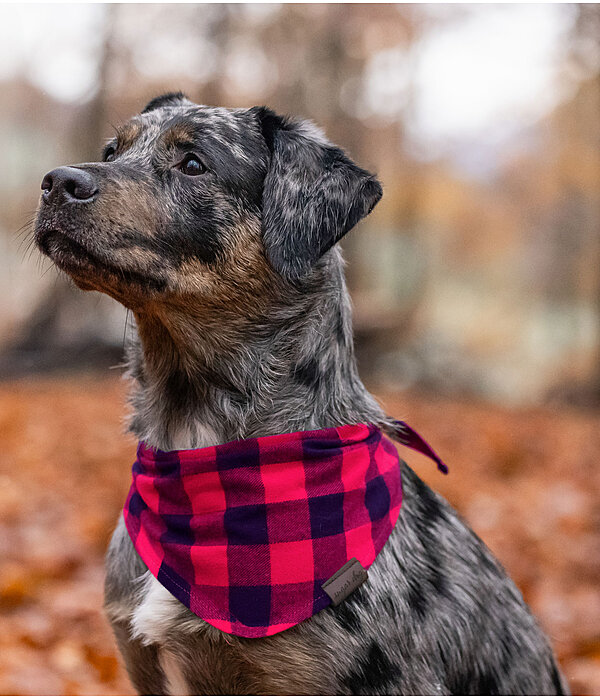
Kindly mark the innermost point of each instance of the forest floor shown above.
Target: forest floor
(526, 480)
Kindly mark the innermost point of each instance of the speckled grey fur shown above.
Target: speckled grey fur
(271, 351)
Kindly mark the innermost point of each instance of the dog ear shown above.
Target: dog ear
(313, 194)
(168, 99)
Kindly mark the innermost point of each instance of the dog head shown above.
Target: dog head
(204, 201)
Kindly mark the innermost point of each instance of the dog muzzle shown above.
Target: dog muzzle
(254, 536)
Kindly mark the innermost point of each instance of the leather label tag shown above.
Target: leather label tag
(345, 580)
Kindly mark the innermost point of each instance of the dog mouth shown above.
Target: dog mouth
(87, 267)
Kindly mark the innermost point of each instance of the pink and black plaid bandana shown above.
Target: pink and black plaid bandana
(246, 533)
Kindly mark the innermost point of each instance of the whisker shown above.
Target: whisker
(125, 328)
(29, 249)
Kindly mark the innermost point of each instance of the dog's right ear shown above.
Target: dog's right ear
(313, 194)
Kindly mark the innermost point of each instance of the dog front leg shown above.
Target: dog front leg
(123, 589)
(141, 661)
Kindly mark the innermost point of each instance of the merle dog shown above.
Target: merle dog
(217, 228)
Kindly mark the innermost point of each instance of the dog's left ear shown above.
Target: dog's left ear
(169, 99)
(313, 194)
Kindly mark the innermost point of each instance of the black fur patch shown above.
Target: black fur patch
(348, 617)
(178, 388)
(308, 373)
(471, 681)
(556, 679)
(429, 505)
(487, 685)
(417, 600)
(340, 333)
(360, 598)
(270, 123)
(462, 682)
(195, 232)
(431, 515)
(372, 677)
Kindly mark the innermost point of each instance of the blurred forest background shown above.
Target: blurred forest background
(475, 281)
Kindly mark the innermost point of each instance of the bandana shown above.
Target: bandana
(245, 534)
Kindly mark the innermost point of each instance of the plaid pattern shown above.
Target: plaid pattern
(244, 534)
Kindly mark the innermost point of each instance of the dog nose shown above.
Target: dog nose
(66, 184)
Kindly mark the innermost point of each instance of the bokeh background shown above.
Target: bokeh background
(475, 281)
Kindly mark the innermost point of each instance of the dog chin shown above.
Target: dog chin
(87, 270)
(68, 255)
(62, 250)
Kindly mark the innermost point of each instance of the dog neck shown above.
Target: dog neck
(201, 380)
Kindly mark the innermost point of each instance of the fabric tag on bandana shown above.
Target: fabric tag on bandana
(345, 581)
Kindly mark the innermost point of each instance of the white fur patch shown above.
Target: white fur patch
(185, 437)
(153, 616)
(204, 436)
(159, 614)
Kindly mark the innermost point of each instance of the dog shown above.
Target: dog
(217, 228)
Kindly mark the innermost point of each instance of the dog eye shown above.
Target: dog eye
(109, 154)
(191, 165)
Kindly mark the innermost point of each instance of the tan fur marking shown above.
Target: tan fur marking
(171, 666)
(180, 133)
(127, 134)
